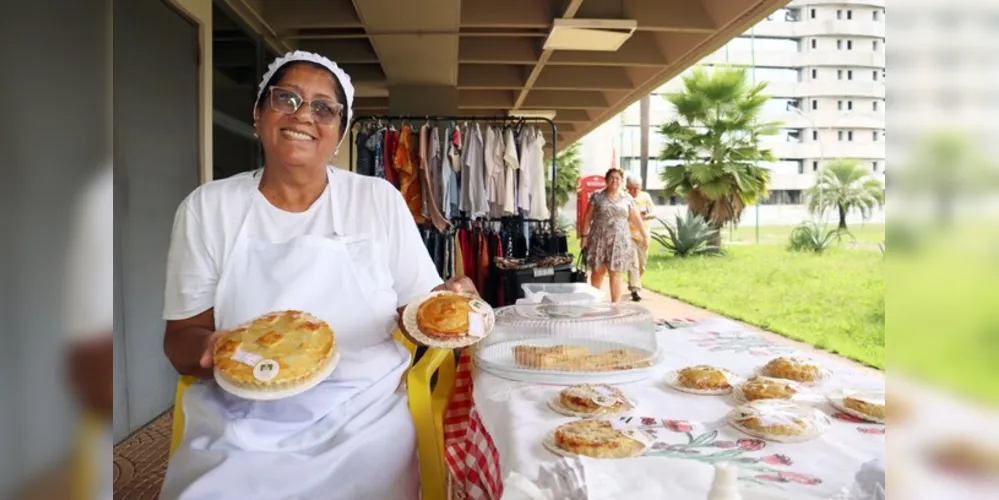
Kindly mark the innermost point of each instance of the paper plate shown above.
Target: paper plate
(778, 409)
(672, 380)
(555, 403)
(411, 329)
(319, 376)
(549, 443)
(837, 396)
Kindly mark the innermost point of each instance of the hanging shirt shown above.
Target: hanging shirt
(538, 207)
(405, 162)
(493, 161)
(430, 209)
(374, 144)
(465, 205)
(527, 170)
(391, 142)
(474, 160)
(365, 156)
(511, 164)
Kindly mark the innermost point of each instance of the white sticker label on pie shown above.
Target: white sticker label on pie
(478, 306)
(266, 370)
(476, 325)
(248, 358)
(604, 397)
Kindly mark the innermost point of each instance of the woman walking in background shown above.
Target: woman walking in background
(606, 234)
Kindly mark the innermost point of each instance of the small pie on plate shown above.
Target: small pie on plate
(702, 377)
(596, 438)
(768, 388)
(791, 368)
(865, 406)
(596, 399)
(779, 420)
(444, 315)
(278, 351)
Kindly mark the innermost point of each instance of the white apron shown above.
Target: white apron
(352, 436)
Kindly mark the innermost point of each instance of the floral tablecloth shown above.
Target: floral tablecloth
(517, 416)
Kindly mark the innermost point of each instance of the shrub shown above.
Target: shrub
(690, 235)
(812, 237)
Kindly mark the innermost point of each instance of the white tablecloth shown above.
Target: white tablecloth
(517, 416)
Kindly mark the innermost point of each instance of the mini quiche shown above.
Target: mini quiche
(768, 388)
(596, 399)
(703, 377)
(279, 351)
(791, 368)
(598, 439)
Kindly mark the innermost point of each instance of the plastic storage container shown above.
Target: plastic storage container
(571, 344)
(561, 293)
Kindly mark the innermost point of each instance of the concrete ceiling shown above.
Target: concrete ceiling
(490, 52)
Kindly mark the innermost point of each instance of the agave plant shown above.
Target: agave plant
(690, 235)
(812, 237)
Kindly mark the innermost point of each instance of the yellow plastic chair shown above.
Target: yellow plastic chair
(426, 403)
(89, 429)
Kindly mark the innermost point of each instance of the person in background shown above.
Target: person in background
(644, 205)
(90, 320)
(606, 234)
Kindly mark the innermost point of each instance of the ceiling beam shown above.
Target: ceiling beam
(569, 13)
(581, 99)
(288, 15)
(583, 78)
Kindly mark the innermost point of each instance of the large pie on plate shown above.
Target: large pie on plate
(278, 351)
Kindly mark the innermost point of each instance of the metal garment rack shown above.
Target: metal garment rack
(461, 118)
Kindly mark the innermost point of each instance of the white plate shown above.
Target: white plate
(412, 330)
(672, 380)
(275, 395)
(837, 396)
(820, 421)
(549, 443)
(499, 360)
(555, 403)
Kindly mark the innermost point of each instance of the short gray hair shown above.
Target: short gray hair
(633, 180)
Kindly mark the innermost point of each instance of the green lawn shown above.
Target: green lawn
(778, 235)
(833, 301)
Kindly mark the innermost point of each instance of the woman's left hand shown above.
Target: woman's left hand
(459, 285)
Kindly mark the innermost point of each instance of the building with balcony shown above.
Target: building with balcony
(824, 62)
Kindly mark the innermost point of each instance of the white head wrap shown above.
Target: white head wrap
(303, 56)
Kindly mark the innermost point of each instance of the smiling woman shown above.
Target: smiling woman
(296, 235)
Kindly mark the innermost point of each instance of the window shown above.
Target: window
(794, 135)
(874, 45)
(839, 44)
(839, 105)
(875, 75)
(874, 137)
(815, 135)
(801, 167)
(874, 105)
(812, 14)
(849, 45)
(839, 74)
(815, 104)
(849, 135)
(777, 105)
(849, 75)
(839, 135)
(815, 166)
(849, 105)
(839, 14)
(774, 74)
(785, 16)
(814, 43)
(849, 14)
(815, 74)
(874, 166)
(877, 15)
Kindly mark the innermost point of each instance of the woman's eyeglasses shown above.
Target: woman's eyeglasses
(287, 102)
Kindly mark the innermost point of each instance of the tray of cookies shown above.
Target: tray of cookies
(275, 356)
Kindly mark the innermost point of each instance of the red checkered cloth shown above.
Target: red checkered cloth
(472, 460)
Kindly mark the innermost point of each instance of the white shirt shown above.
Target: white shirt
(538, 208)
(208, 221)
(90, 305)
(512, 163)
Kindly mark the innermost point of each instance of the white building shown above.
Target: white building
(824, 61)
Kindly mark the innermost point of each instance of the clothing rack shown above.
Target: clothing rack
(479, 119)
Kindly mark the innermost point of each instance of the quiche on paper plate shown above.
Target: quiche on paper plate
(275, 352)
(598, 439)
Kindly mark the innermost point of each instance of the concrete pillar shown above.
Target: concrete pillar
(423, 100)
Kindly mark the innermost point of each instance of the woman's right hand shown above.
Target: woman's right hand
(207, 360)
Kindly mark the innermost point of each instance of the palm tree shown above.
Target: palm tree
(567, 165)
(845, 185)
(715, 142)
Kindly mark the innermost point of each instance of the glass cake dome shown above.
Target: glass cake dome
(571, 343)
